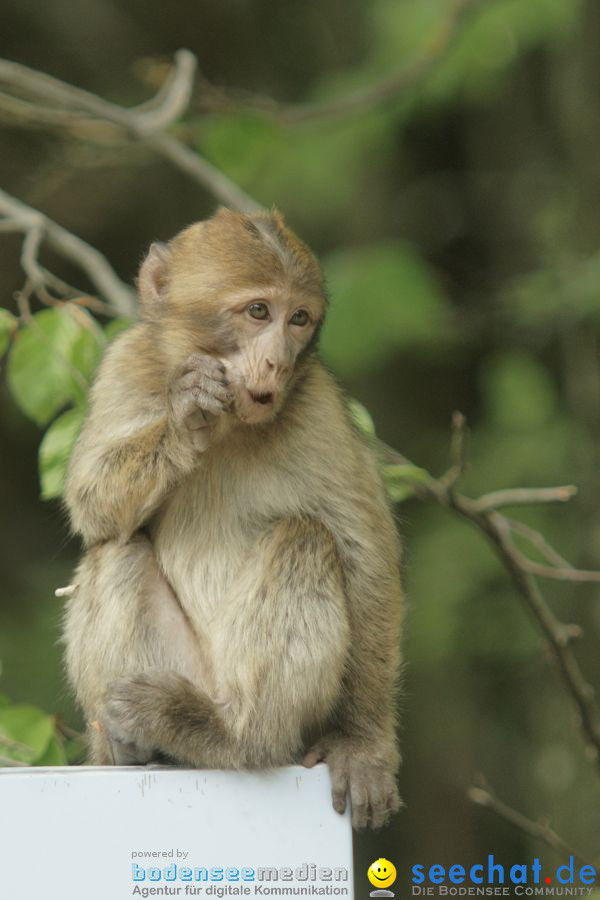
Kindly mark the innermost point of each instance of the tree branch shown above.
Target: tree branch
(146, 123)
(540, 830)
(524, 497)
(483, 514)
(387, 90)
(37, 227)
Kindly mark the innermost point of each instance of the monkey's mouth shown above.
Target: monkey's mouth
(263, 399)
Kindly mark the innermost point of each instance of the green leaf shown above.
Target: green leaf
(383, 297)
(395, 472)
(401, 481)
(361, 417)
(240, 143)
(54, 755)
(51, 363)
(398, 493)
(8, 326)
(75, 750)
(518, 391)
(28, 727)
(116, 326)
(55, 451)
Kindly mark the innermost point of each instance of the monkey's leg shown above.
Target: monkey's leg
(279, 651)
(124, 618)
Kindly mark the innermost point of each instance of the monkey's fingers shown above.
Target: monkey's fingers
(383, 800)
(205, 384)
(208, 365)
(359, 799)
(379, 805)
(339, 789)
(210, 402)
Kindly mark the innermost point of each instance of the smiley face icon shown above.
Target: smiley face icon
(382, 873)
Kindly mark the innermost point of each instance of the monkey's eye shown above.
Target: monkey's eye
(300, 317)
(258, 310)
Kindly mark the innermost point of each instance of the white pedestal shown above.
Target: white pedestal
(76, 833)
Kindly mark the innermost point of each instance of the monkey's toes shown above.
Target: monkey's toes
(128, 709)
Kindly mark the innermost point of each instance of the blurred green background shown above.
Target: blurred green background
(459, 228)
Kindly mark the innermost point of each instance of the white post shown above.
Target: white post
(92, 833)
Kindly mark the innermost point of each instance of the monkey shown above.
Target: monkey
(238, 603)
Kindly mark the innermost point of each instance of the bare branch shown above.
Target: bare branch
(203, 173)
(16, 745)
(173, 98)
(524, 497)
(539, 830)
(142, 123)
(457, 450)
(561, 572)
(538, 541)
(387, 90)
(7, 761)
(568, 574)
(35, 226)
(497, 528)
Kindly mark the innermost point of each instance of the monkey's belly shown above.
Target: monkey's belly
(201, 540)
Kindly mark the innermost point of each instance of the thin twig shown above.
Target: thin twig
(558, 635)
(8, 761)
(457, 450)
(146, 125)
(388, 89)
(537, 540)
(524, 497)
(563, 572)
(173, 98)
(540, 830)
(18, 746)
(32, 223)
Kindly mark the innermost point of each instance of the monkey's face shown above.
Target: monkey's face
(241, 288)
(271, 331)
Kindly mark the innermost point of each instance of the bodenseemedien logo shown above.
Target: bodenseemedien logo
(221, 881)
(494, 879)
(382, 874)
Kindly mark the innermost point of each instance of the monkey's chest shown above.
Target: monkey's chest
(204, 535)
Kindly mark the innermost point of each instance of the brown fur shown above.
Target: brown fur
(239, 603)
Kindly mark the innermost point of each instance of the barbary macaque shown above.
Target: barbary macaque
(239, 603)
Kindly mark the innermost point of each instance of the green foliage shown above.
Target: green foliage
(402, 481)
(52, 360)
(361, 418)
(518, 391)
(50, 367)
(557, 295)
(55, 451)
(329, 168)
(8, 326)
(28, 736)
(384, 298)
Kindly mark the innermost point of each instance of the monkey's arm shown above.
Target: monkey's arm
(361, 748)
(361, 745)
(141, 437)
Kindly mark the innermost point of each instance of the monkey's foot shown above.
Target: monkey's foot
(157, 715)
(364, 772)
(125, 722)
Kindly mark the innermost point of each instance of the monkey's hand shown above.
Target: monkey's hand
(198, 393)
(366, 771)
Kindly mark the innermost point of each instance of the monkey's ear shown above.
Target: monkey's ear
(154, 275)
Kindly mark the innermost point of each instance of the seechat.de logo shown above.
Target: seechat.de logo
(381, 874)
